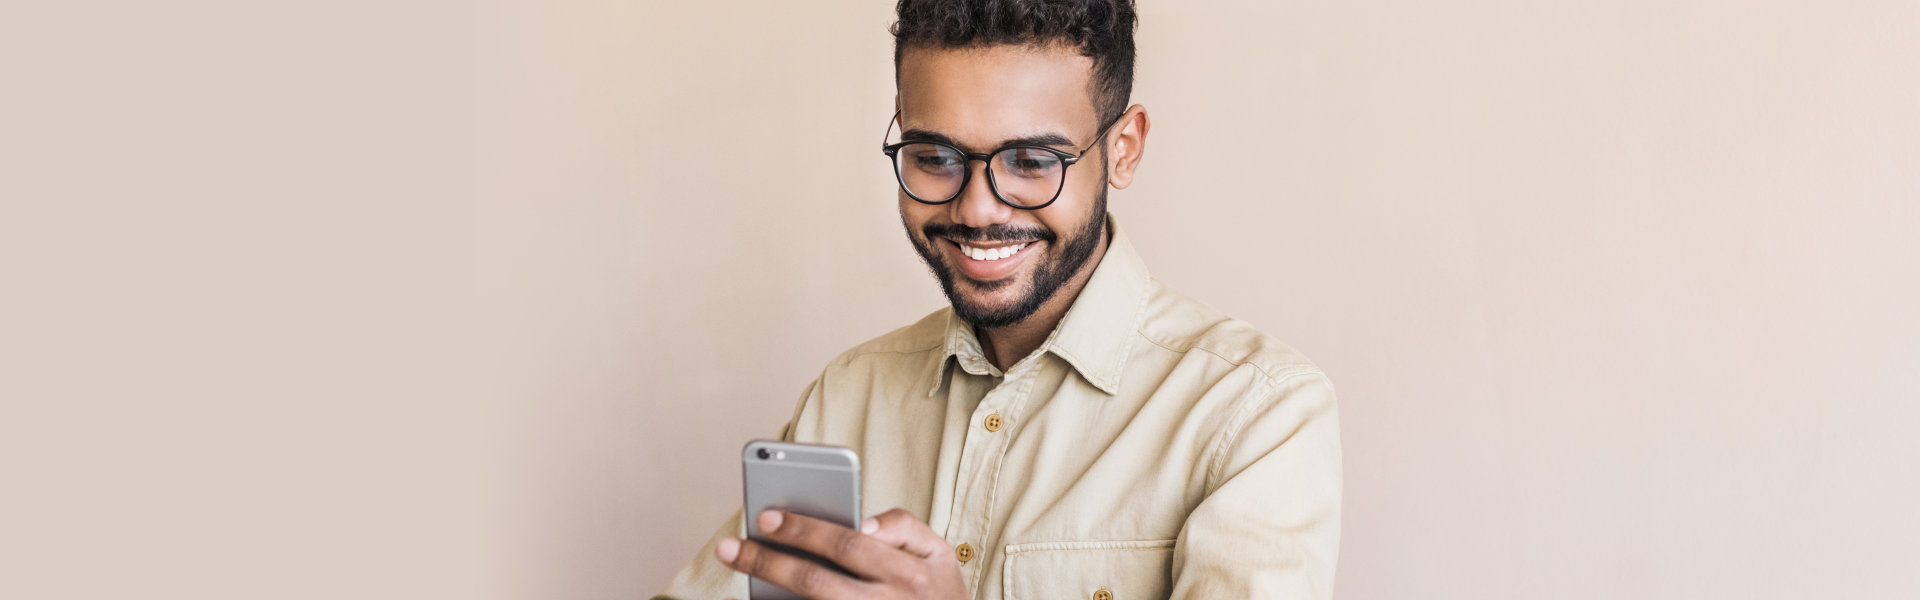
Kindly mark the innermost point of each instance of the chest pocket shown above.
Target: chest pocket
(1125, 570)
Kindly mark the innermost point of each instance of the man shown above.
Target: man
(1069, 427)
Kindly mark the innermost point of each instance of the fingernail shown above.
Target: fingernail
(727, 550)
(770, 521)
(870, 525)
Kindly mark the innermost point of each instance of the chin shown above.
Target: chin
(976, 305)
(993, 310)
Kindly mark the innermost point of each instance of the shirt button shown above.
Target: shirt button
(1103, 594)
(964, 552)
(993, 422)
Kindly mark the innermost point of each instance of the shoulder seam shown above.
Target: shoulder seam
(890, 342)
(1216, 460)
(853, 353)
(1267, 373)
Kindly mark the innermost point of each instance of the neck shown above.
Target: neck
(1004, 345)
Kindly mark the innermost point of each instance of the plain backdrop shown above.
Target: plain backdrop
(480, 300)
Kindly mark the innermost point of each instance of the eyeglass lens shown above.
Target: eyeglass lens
(1021, 176)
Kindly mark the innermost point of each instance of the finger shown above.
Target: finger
(794, 574)
(845, 547)
(900, 529)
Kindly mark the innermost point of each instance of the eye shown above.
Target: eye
(1028, 162)
(929, 158)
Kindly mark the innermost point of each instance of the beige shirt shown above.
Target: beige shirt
(1150, 447)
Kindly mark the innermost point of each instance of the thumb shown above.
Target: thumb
(900, 529)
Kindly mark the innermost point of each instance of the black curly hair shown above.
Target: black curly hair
(1102, 30)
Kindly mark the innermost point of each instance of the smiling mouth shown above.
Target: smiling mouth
(990, 253)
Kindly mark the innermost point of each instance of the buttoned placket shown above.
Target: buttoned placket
(981, 455)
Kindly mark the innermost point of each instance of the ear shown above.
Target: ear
(1126, 144)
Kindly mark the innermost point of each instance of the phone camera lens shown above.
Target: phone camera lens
(763, 454)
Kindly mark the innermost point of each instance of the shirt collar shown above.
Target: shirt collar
(1097, 332)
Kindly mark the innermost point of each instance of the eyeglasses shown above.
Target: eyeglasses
(1022, 176)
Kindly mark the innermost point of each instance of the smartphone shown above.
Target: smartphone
(822, 482)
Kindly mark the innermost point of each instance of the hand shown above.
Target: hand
(894, 556)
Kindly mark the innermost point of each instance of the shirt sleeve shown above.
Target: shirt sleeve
(1269, 526)
(705, 577)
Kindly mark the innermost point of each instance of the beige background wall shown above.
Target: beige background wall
(417, 300)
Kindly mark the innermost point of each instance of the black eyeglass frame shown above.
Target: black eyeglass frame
(966, 174)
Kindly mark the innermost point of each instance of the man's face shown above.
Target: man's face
(980, 99)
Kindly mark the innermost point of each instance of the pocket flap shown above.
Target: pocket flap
(1125, 570)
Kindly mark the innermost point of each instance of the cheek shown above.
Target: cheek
(1066, 216)
(915, 214)
(1084, 182)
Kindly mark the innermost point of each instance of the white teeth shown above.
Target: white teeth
(991, 253)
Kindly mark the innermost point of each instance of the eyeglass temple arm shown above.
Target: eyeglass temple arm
(1096, 139)
(889, 133)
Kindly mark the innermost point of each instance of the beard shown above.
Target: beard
(1052, 271)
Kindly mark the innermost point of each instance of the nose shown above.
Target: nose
(977, 206)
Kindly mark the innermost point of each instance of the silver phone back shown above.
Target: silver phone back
(822, 482)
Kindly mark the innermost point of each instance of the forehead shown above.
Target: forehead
(981, 96)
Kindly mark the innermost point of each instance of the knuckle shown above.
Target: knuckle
(754, 558)
(812, 580)
(920, 583)
(845, 543)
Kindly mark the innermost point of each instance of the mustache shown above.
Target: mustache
(996, 233)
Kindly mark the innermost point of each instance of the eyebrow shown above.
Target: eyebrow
(1041, 139)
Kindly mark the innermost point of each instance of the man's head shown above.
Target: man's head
(984, 75)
